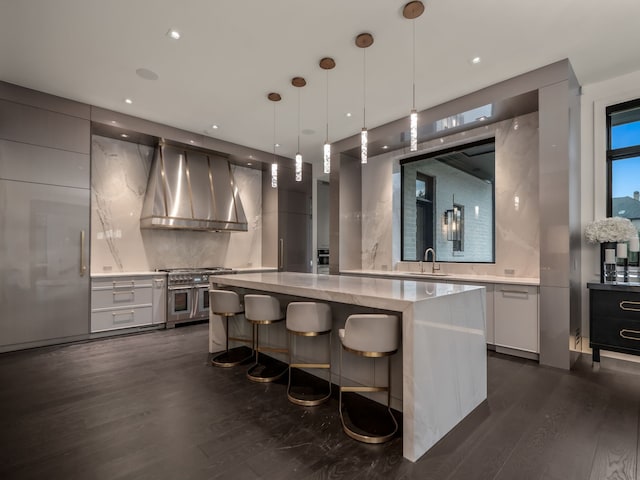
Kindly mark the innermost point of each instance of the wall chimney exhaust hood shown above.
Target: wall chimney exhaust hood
(190, 189)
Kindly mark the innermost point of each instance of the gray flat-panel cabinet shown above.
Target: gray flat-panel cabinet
(44, 219)
(44, 294)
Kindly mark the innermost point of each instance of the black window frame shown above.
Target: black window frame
(618, 153)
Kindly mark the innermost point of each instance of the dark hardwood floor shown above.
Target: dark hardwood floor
(151, 406)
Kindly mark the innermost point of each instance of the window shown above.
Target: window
(447, 203)
(623, 161)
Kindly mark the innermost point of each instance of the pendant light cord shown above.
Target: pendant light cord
(274, 132)
(327, 140)
(364, 88)
(413, 26)
(298, 119)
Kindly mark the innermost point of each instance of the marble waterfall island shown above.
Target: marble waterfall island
(444, 359)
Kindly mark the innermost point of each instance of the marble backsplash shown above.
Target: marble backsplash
(119, 172)
(517, 237)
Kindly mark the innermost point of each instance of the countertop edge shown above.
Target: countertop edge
(494, 279)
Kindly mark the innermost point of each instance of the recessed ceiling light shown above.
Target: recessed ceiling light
(174, 34)
(249, 164)
(113, 122)
(475, 60)
(384, 147)
(348, 114)
(124, 135)
(277, 145)
(191, 141)
(215, 127)
(147, 74)
(128, 101)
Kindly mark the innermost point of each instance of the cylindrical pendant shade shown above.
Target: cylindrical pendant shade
(363, 145)
(298, 167)
(413, 130)
(327, 158)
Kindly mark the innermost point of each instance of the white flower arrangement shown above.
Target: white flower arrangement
(613, 229)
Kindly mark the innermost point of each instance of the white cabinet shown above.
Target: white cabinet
(121, 302)
(516, 317)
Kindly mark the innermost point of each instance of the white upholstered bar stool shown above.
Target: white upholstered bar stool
(373, 336)
(263, 310)
(308, 319)
(225, 304)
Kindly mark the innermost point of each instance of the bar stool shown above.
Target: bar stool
(263, 310)
(226, 303)
(308, 319)
(372, 336)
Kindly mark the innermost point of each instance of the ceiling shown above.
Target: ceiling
(233, 53)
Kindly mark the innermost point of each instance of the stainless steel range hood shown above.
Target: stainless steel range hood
(191, 190)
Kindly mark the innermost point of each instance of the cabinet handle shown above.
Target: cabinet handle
(83, 264)
(624, 333)
(131, 292)
(630, 308)
(130, 317)
(282, 253)
(515, 292)
(130, 284)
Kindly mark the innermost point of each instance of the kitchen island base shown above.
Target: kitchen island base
(442, 363)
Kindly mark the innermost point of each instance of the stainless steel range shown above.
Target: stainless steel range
(188, 293)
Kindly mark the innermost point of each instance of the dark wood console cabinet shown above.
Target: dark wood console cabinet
(614, 318)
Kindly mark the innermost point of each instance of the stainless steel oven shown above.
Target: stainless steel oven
(188, 294)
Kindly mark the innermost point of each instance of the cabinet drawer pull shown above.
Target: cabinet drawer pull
(125, 284)
(514, 292)
(635, 334)
(130, 316)
(130, 292)
(630, 306)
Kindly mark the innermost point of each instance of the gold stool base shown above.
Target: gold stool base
(362, 433)
(232, 357)
(266, 372)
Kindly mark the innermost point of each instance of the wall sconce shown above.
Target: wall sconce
(452, 221)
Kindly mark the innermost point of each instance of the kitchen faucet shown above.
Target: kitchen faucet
(433, 260)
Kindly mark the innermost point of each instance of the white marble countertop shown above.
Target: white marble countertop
(126, 274)
(148, 273)
(385, 293)
(454, 277)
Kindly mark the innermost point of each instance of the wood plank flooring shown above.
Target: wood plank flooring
(151, 406)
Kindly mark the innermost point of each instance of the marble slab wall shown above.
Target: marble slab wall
(119, 173)
(516, 202)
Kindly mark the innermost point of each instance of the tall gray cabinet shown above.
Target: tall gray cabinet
(286, 215)
(44, 218)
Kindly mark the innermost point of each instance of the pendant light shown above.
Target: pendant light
(274, 97)
(364, 40)
(411, 11)
(298, 82)
(327, 64)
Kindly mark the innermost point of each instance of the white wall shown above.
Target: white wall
(517, 225)
(595, 99)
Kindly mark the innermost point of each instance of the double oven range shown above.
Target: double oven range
(188, 293)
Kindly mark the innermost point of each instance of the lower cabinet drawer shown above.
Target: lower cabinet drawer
(123, 318)
(616, 332)
(119, 297)
(615, 304)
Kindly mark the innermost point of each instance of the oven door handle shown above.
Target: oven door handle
(196, 302)
(180, 287)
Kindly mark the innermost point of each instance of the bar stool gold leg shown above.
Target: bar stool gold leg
(292, 396)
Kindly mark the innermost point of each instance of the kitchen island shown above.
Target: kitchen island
(443, 354)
